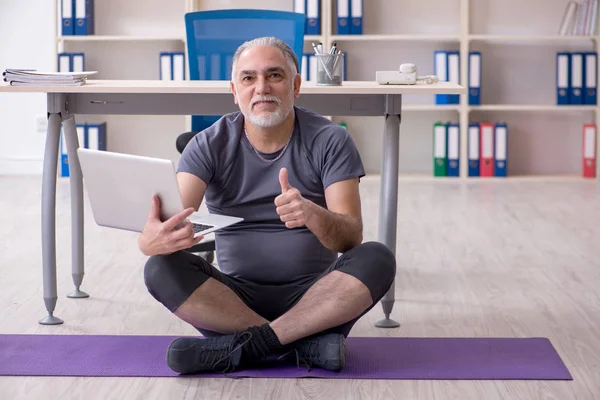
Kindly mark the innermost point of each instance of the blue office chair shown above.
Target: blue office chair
(212, 39)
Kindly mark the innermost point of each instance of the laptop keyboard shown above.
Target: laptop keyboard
(200, 227)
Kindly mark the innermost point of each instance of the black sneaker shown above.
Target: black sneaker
(218, 354)
(323, 351)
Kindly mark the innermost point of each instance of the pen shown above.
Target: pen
(337, 59)
(333, 48)
(316, 48)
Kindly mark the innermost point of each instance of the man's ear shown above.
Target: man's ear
(297, 83)
(234, 92)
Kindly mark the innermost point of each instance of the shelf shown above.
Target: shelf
(524, 38)
(429, 107)
(499, 107)
(126, 38)
(416, 38)
(420, 177)
(117, 38)
(527, 107)
(530, 178)
(313, 38)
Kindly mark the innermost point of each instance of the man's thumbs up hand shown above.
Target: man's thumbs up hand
(292, 208)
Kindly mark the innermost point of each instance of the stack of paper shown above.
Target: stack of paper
(31, 77)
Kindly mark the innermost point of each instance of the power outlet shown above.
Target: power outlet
(41, 123)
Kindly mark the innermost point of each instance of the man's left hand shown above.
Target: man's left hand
(293, 209)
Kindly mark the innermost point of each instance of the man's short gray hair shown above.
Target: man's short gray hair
(271, 41)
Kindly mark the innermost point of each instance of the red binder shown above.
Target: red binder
(589, 150)
(486, 163)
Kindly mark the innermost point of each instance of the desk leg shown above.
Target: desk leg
(76, 206)
(388, 205)
(49, 218)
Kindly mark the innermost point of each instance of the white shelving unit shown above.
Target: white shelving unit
(531, 107)
(525, 38)
(473, 29)
(518, 85)
(392, 38)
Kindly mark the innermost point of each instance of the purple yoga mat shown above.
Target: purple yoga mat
(367, 358)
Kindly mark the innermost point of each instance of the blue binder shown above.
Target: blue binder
(343, 17)
(64, 158)
(178, 66)
(65, 63)
(440, 67)
(313, 17)
(453, 154)
(172, 66)
(475, 78)
(304, 67)
(165, 66)
(68, 17)
(84, 17)
(77, 62)
(563, 78)
(453, 74)
(95, 136)
(300, 6)
(473, 149)
(500, 149)
(590, 78)
(356, 15)
(576, 82)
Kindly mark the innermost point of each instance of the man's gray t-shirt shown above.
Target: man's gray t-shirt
(239, 183)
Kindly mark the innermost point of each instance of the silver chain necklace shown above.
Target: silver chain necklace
(266, 159)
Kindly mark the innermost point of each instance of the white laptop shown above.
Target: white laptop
(120, 188)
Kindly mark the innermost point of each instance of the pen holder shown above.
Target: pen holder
(329, 69)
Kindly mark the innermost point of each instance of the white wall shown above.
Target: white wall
(22, 46)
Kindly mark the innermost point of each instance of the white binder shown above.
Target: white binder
(93, 138)
(178, 67)
(78, 63)
(166, 73)
(64, 62)
(312, 68)
(81, 135)
(300, 6)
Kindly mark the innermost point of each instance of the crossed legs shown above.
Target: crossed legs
(215, 304)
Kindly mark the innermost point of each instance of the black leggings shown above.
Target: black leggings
(172, 278)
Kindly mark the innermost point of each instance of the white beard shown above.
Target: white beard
(270, 119)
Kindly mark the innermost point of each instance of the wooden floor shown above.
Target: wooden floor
(510, 258)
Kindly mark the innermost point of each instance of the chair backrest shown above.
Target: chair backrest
(214, 36)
